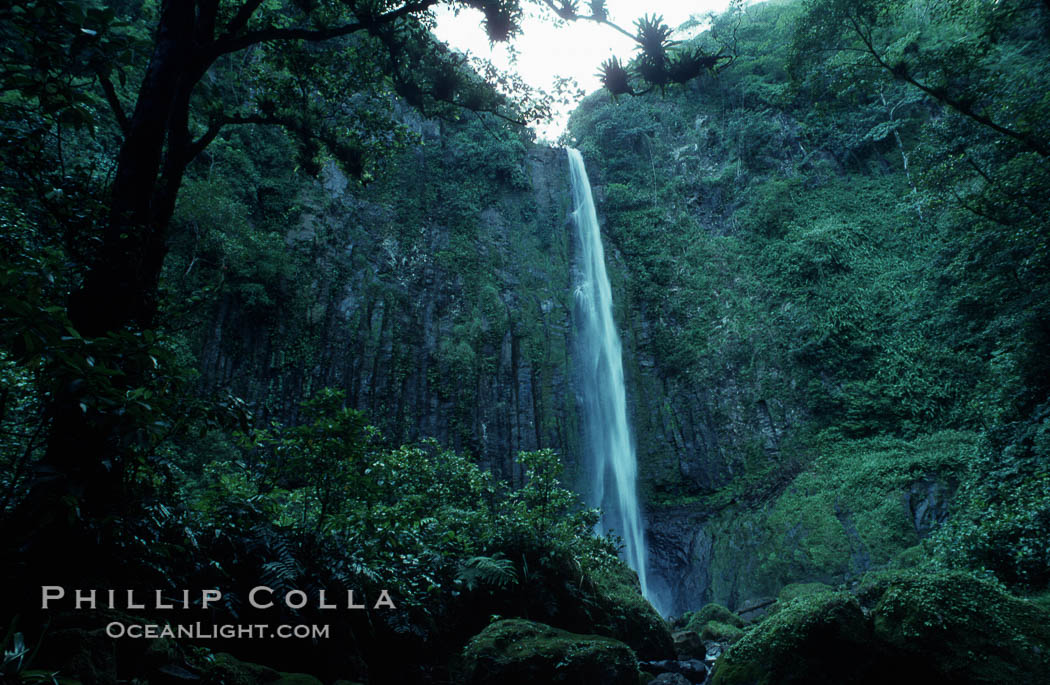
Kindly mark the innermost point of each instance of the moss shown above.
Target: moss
(225, 669)
(618, 609)
(818, 638)
(965, 628)
(512, 652)
(297, 679)
(948, 627)
(844, 514)
(793, 590)
(715, 631)
(696, 620)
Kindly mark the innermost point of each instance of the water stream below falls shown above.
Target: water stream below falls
(610, 456)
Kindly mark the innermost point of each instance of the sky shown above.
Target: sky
(576, 50)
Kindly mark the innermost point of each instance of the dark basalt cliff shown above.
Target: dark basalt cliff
(476, 360)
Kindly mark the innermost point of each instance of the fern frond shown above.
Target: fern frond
(495, 571)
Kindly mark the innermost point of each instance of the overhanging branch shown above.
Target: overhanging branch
(233, 43)
(594, 18)
(901, 73)
(217, 124)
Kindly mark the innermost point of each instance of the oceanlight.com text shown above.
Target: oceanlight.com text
(225, 631)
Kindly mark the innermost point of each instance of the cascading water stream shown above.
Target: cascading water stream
(611, 459)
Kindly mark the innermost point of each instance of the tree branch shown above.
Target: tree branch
(240, 20)
(229, 43)
(114, 102)
(594, 18)
(900, 72)
(207, 15)
(981, 213)
(493, 112)
(215, 127)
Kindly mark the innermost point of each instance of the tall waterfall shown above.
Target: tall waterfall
(611, 459)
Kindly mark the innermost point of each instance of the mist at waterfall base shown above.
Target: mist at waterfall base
(610, 461)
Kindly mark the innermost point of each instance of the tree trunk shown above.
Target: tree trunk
(81, 477)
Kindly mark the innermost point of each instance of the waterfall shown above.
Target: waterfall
(611, 461)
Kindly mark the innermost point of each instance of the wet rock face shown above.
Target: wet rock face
(679, 558)
(927, 501)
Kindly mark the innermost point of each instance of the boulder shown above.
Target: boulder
(964, 629)
(616, 608)
(933, 627)
(695, 620)
(688, 645)
(670, 679)
(520, 652)
(821, 638)
(714, 631)
(693, 670)
(606, 600)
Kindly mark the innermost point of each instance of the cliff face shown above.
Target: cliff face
(441, 310)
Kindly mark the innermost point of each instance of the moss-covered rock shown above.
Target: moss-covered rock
(512, 652)
(946, 627)
(964, 628)
(820, 638)
(616, 608)
(696, 620)
(716, 631)
(793, 590)
(599, 596)
(226, 669)
(297, 679)
(852, 509)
